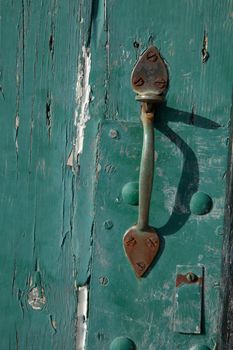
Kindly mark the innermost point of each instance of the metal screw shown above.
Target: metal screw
(151, 243)
(103, 281)
(152, 56)
(160, 83)
(138, 82)
(216, 284)
(141, 265)
(108, 224)
(114, 134)
(191, 277)
(131, 242)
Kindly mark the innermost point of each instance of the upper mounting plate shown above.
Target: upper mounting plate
(150, 77)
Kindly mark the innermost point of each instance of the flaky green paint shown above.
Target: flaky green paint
(38, 256)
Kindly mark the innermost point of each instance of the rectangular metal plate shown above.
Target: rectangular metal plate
(188, 300)
(120, 304)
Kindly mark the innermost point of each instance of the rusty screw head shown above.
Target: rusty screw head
(152, 56)
(160, 83)
(131, 242)
(141, 265)
(114, 134)
(108, 224)
(103, 281)
(151, 243)
(138, 82)
(191, 277)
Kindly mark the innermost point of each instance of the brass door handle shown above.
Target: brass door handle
(150, 81)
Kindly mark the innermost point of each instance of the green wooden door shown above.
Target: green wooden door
(71, 140)
(191, 172)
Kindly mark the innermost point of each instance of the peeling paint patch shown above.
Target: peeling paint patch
(82, 317)
(16, 133)
(53, 323)
(83, 91)
(204, 52)
(170, 198)
(36, 298)
(70, 159)
(2, 92)
(48, 114)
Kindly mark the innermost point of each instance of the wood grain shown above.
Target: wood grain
(39, 50)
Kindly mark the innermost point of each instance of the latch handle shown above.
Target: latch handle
(146, 166)
(150, 82)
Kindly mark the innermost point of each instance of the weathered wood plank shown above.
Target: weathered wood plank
(39, 50)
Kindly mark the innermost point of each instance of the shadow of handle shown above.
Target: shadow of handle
(189, 181)
(188, 184)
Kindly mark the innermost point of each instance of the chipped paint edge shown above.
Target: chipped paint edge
(82, 310)
(83, 92)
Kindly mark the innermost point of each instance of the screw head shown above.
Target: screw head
(103, 281)
(152, 242)
(141, 265)
(114, 134)
(138, 82)
(191, 277)
(108, 224)
(160, 83)
(131, 242)
(152, 56)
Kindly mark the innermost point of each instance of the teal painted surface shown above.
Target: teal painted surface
(191, 136)
(39, 50)
(200, 347)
